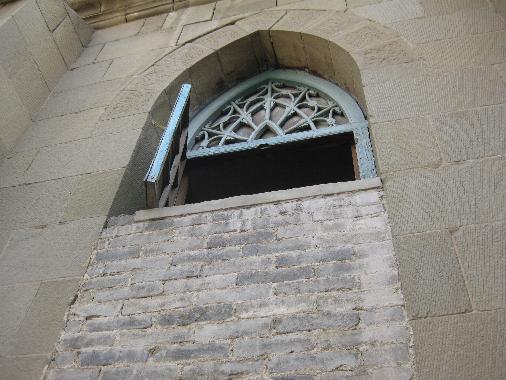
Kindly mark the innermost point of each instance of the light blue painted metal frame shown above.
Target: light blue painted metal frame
(357, 123)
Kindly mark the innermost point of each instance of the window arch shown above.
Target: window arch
(276, 107)
(278, 130)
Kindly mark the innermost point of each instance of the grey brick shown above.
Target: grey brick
(317, 285)
(285, 245)
(154, 337)
(146, 305)
(245, 293)
(317, 256)
(113, 356)
(93, 310)
(253, 347)
(238, 265)
(118, 323)
(134, 291)
(77, 341)
(186, 316)
(382, 316)
(321, 320)
(274, 275)
(130, 265)
(199, 283)
(391, 354)
(171, 247)
(65, 359)
(370, 335)
(241, 238)
(317, 360)
(213, 370)
(234, 329)
(171, 273)
(159, 372)
(191, 352)
(117, 254)
(275, 306)
(73, 373)
(106, 282)
(207, 255)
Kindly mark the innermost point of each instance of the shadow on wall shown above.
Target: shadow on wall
(218, 70)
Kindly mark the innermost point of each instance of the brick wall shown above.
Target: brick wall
(297, 289)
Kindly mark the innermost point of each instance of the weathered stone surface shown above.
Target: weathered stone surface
(68, 41)
(480, 249)
(470, 134)
(83, 76)
(390, 11)
(84, 30)
(228, 8)
(40, 42)
(191, 15)
(42, 254)
(405, 144)
(41, 326)
(435, 7)
(330, 5)
(461, 346)
(458, 24)
(436, 285)
(87, 56)
(23, 367)
(53, 12)
(117, 32)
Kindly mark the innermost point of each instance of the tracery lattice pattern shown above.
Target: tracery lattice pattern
(274, 109)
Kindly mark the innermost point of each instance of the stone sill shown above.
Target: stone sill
(256, 199)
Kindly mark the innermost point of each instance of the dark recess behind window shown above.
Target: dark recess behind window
(311, 162)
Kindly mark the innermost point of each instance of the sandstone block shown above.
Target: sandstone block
(229, 8)
(68, 41)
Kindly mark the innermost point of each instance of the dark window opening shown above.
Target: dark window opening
(310, 162)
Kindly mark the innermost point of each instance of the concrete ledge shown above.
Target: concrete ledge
(255, 199)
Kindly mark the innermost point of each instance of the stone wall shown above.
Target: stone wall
(39, 41)
(303, 288)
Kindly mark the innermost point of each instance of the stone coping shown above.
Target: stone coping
(256, 199)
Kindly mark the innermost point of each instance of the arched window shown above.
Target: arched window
(278, 130)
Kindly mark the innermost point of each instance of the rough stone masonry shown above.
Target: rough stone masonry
(300, 289)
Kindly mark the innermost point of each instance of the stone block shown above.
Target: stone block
(436, 7)
(207, 86)
(275, 306)
(186, 316)
(153, 24)
(67, 41)
(459, 24)
(93, 195)
(431, 275)
(58, 130)
(83, 76)
(155, 337)
(327, 5)
(79, 341)
(289, 49)
(466, 346)
(42, 324)
(442, 92)
(191, 15)
(138, 44)
(392, 354)
(107, 309)
(40, 42)
(100, 153)
(23, 367)
(277, 246)
(34, 205)
(121, 124)
(245, 293)
(260, 21)
(466, 52)
(117, 32)
(46, 253)
(372, 335)
(133, 64)
(404, 144)
(227, 8)
(80, 99)
(15, 300)
(389, 53)
(470, 134)
(53, 12)
(148, 289)
(317, 285)
(450, 196)
(84, 30)
(402, 71)
(15, 119)
(145, 372)
(319, 59)
(316, 256)
(14, 166)
(480, 249)
(210, 282)
(87, 56)
(391, 11)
